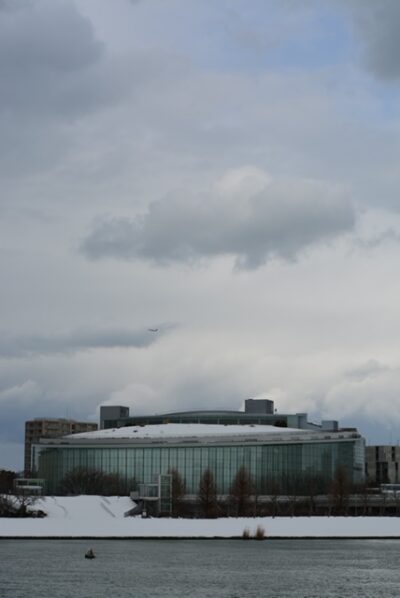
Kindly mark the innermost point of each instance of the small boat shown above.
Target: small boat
(90, 554)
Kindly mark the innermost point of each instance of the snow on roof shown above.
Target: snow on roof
(183, 430)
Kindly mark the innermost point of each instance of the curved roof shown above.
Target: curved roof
(183, 430)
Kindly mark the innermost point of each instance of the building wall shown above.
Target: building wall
(50, 428)
(112, 414)
(273, 467)
(383, 464)
(259, 406)
(298, 420)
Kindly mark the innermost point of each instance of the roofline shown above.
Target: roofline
(295, 437)
(215, 412)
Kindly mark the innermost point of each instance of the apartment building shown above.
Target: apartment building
(50, 428)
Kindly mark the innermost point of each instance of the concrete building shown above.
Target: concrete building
(257, 412)
(276, 457)
(382, 464)
(111, 414)
(50, 428)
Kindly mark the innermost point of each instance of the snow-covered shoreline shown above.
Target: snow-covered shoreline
(103, 517)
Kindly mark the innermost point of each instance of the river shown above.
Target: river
(200, 568)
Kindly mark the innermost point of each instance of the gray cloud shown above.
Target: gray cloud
(388, 235)
(55, 71)
(280, 220)
(28, 400)
(21, 346)
(371, 391)
(369, 369)
(377, 23)
(91, 127)
(50, 49)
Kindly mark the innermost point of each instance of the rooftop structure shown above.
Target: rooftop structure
(257, 411)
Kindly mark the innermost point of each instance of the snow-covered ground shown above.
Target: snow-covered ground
(98, 516)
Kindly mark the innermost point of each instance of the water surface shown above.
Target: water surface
(200, 568)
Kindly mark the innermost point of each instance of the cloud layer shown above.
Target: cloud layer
(23, 346)
(377, 24)
(281, 219)
(168, 135)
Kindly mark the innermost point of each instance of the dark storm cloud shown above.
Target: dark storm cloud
(47, 55)
(281, 220)
(21, 346)
(54, 73)
(378, 23)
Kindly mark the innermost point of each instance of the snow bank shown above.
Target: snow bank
(102, 517)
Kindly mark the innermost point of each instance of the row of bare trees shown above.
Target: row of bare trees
(83, 480)
(241, 500)
(240, 496)
(302, 498)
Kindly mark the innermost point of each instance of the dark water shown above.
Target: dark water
(198, 569)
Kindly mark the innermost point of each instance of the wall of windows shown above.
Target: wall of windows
(271, 466)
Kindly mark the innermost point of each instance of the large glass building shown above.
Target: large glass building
(276, 458)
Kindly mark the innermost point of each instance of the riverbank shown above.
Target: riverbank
(104, 517)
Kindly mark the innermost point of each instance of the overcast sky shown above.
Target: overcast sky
(226, 171)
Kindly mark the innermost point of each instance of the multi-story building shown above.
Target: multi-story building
(50, 428)
(275, 457)
(382, 463)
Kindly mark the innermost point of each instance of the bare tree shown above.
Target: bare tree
(7, 480)
(17, 505)
(241, 491)
(7, 507)
(274, 490)
(314, 485)
(340, 490)
(82, 480)
(208, 495)
(178, 491)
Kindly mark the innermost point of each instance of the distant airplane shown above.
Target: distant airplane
(152, 329)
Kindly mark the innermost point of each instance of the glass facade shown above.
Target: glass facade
(270, 465)
(298, 420)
